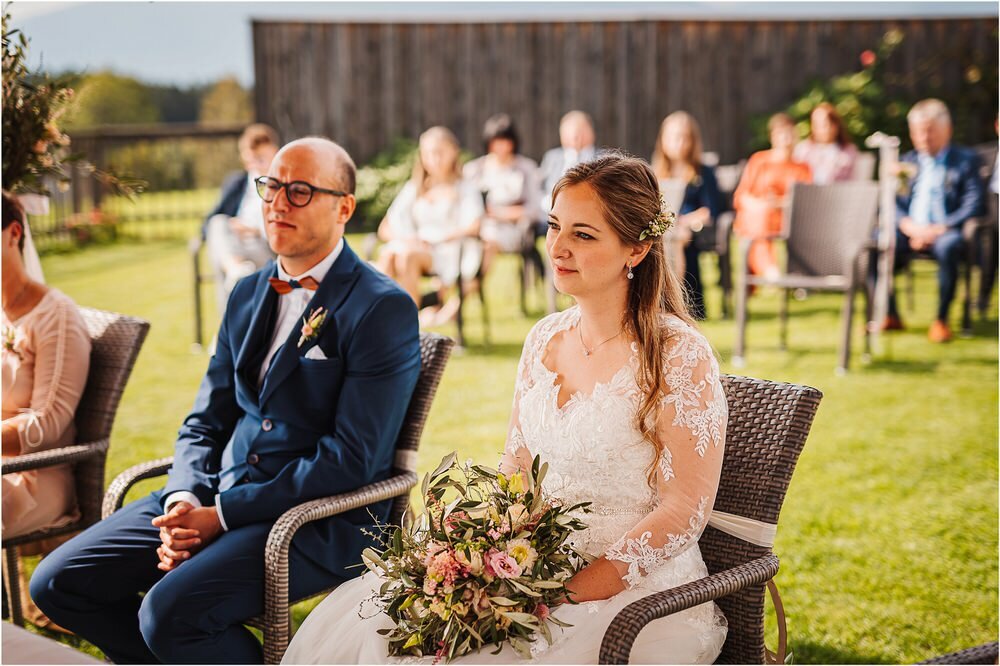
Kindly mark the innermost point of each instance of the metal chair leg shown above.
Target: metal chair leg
(742, 296)
(845, 332)
(783, 319)
(194, 248)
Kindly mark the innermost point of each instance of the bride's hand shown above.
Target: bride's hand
(598, 580)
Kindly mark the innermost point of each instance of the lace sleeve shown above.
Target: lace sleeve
(691, 424)
(515, 452)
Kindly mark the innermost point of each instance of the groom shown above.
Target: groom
(316, 359)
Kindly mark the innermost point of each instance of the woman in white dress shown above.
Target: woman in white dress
(431, 226)
(621, 396)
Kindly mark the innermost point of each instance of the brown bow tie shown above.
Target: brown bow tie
(283, 287)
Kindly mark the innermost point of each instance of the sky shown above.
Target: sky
(188, 43)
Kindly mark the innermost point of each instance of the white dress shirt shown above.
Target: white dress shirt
(291, 308)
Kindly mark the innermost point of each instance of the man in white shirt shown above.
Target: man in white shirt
(317, 357)
(234, 230)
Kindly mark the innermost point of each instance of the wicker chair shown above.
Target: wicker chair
(276, 622)
(982, 654)
(768, 425)
(828, 232)
(115, 343)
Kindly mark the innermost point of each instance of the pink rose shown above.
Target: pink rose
(307, 330)
(542, 612)
(502, 565)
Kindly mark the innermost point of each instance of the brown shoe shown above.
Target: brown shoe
(939, 332)
(893, 323)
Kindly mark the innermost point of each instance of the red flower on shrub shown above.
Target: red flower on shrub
(867, 58)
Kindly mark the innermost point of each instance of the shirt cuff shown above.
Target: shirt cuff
(218, 510)
(181, 496)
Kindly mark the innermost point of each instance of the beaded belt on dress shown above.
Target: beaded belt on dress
(622, 510)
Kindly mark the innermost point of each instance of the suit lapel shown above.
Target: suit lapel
(257, 339)
(332, 292)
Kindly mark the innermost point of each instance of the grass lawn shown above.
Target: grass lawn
(888, 538)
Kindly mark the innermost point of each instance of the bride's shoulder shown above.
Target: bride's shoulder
(685, 340)
(551, 324)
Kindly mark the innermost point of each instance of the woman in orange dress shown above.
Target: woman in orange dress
(759, 199)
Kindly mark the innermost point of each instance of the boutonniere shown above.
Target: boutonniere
(311, 325)
(905, 173)
(12, 341)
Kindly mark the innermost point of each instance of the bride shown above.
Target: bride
(621, 396)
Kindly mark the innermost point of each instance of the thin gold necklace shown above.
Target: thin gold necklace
(587, 351)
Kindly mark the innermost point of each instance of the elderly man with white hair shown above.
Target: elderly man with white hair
(943, 191)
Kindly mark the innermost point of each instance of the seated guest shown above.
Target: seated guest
(287, 412)
(432, 224)
(510, 184)
(576, 139)
(943, 191)
(828, 151)
(677, 155)
(234, 230)
(759, 199)
(46, 356)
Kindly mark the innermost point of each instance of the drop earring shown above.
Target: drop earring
(630, 274)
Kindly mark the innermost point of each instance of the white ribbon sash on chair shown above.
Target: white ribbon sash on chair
(752, 531)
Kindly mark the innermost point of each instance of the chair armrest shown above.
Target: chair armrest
(624, 629)
(65, 454)
(983, 654)
(115, 494)
(279, 541)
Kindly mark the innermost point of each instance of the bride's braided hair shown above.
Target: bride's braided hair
(629, 197)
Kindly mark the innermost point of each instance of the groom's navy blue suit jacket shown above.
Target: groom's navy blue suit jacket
(314, 427)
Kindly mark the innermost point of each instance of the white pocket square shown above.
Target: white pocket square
(316, 354)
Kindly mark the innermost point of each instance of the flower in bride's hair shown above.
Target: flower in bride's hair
(664, 219)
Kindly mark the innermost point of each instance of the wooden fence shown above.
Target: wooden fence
(365, 84)
(182, 164)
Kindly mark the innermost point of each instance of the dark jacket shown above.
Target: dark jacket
(963, 196)
(233, 190)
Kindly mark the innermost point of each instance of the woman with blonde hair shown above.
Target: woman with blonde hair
(621, 396)
(431, 225)
(759, 199)
(828, 150)
(677, 155)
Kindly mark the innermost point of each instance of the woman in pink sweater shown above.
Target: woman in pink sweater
(45, 359)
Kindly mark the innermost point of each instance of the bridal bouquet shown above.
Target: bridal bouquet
(484, 564)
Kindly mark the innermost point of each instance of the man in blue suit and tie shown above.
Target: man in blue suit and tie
(316, 359)
(944, 190)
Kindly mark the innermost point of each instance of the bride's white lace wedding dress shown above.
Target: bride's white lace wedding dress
(595, 454)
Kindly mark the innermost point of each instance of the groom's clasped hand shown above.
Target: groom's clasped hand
(184, 530)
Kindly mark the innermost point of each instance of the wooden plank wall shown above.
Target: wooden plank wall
(365, 84)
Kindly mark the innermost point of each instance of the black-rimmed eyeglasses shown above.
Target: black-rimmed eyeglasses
(299, 193)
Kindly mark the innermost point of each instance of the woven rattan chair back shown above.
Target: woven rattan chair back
(768, 424)
(434, 352)
(827, 225)
(115, 343)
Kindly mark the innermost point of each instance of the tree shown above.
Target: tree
(106, 98)
(226, 102)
